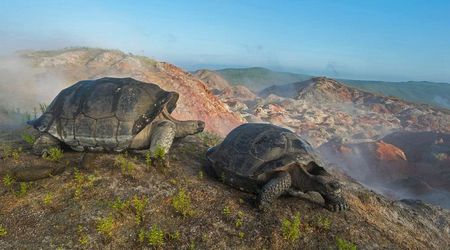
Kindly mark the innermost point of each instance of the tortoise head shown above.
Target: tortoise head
(185, 128)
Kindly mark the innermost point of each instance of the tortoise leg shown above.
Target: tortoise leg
(44, 143)
(162, 136)
(277, 186)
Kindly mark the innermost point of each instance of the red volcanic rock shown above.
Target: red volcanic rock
(196, 101)
(389, 152)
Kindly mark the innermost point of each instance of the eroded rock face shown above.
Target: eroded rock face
(401, 165)
(196, 101)
(350, 127)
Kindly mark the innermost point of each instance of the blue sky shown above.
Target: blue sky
(363, 39)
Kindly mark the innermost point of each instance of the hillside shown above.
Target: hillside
(437, 94)
(37, 76)
(352, 129)
(258, 78)
(118, 201)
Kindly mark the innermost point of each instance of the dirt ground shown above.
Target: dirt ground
(101, 204)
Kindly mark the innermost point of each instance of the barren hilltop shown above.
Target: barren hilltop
(121, 201)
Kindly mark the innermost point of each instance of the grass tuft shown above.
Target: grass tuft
(182, 203)
(342, 244)
(291, 228)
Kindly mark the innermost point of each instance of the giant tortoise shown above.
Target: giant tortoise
(272, 161)
(112, 114)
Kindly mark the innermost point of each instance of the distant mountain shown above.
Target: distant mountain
(258, 78)
(437, 94)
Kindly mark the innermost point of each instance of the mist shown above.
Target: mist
(23, 89)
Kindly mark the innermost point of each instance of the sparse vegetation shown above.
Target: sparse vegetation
(226, 211)
(15, 154)
(126, 166)
(105, 226)
(139, 205)
(81, 182)
(141, 235)
(9, 152)
(23, 189)
(182, 203)
(241, 235)
(343, 244)
(239, 220)
(83, 238)
(160, 153)
(148, 158)
(48, 199)
(159, 157)
(155, 236)
(3, 231)
(209, 139)
(291, 228)
(323, 222)
(175, 235)
(43, 107)
(8, 181)
(120, 205)
(54, 154)
(28, 138)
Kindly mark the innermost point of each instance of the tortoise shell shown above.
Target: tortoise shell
(104, 114)
(247, 149)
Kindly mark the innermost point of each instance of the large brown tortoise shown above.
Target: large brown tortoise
(272, 161)
(112, 114)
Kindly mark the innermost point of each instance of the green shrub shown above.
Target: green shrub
(182, 203)
(324, 222)
(105, 226)
(141, 235)
(240, 220)
(54, 154)
(23, 189)
(175, 235)
(48, 199)
(81, 182)
(28, 138)
(139, 205)
(119, 206)
(15, 154)
(3, 231)
(342, 244)
(126, 166)
(160, 153)
(291, 228)
(8, 181)
(155, 236)
(226, 211)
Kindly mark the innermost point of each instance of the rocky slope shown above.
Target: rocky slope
(355, 130)
(65, 67)
(118, 202)
(237, 97)
(433, 93)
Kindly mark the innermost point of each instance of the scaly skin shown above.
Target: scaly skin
(273, 189)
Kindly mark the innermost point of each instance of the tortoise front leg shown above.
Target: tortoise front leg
(162, 136)
(277, 186)
(44, 143)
